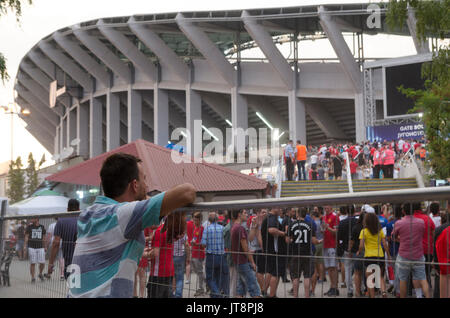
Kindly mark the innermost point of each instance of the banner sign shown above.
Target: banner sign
(414, 131)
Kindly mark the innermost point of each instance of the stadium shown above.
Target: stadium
(100, 84)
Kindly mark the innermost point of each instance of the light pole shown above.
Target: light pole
(11, 110)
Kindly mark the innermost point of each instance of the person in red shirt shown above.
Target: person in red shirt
(139, 277)
(162, 270)
(353, 166)
(443, 256)
(427, 241)
(330, 223)
(198, 253)
(189, 233)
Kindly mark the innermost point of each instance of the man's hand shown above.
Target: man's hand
(253, 265)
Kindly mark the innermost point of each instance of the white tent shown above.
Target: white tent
(45, 204)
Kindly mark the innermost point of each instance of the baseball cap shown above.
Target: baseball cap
(368, 209)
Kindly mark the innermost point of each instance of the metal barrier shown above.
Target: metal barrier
(16, 278)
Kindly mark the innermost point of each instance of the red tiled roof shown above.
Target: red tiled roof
(162, 173)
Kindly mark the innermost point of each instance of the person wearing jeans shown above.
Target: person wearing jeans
(181, 248)
(216, 267)
(243, 259)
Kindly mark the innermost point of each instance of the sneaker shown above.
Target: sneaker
(33, 280)
(62, 278)
(343, 285)
(41, 277)
(390, 289)
(291, 291)
(349, 295)
(199, 293)
(332, 292)
(47, 276)
(311, 294)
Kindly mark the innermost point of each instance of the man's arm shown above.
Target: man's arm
(53, 253)
(276, 232)
(177, 197)
(244, 246)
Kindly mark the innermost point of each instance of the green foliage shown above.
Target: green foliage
(433, 20)
(16, 181)
(32, 176)
(5, 6)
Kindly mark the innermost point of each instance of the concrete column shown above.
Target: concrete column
(64, 133)
(112, 121)
(161, 115)
(61, 136)
(134, 107)
(360, 130)
(56, 143)
(72, 126)
(83, 130)
(95, 131)
(239, 119)
(193, 112)
(297, 118)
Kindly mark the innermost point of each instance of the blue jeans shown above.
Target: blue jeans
(217, 275)
(178, 264)
(247, 281)
(301, 170)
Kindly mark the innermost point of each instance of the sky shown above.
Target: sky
(44, 17)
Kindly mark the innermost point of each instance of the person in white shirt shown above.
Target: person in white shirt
(314, 158)
(434, 213)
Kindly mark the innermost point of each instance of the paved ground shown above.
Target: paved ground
(21, 286)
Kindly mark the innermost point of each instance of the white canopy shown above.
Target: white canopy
(45, 204)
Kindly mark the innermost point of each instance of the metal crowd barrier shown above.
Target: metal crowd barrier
(15, 281)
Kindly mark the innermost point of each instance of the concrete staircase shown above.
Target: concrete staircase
(317, 187)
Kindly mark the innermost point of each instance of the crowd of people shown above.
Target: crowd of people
(128, 240)
(247, 253)
(368, 160)
(35, 242)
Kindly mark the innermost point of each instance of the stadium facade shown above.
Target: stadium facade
(95, 86)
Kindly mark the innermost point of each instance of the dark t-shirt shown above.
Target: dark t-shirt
(301, 232)
(356, 230)
(238, 233)
(344, 234)
(66, 229)
(268, 240)
(35, 235)
(337, 164)
(287, 223)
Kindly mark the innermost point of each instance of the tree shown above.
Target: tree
(5, 6)
(16, 181)
(32, 176)
(433, 20)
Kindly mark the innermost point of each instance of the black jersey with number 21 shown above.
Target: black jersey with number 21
(301, 233)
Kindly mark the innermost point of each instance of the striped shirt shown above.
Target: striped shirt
(213, 239)
(110, 244)
(178, 246)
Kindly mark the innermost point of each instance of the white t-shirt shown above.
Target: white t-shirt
(314, 159)
(436, 219)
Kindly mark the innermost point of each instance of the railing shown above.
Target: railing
(54, 286)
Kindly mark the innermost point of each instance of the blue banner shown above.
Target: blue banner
(414, 131)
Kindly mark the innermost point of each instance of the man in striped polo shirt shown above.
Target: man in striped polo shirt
(110, 239)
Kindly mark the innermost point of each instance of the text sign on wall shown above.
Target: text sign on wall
(395, 132)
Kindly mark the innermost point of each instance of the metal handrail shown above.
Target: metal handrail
(391, 196)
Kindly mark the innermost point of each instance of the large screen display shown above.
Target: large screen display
(408, 75)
